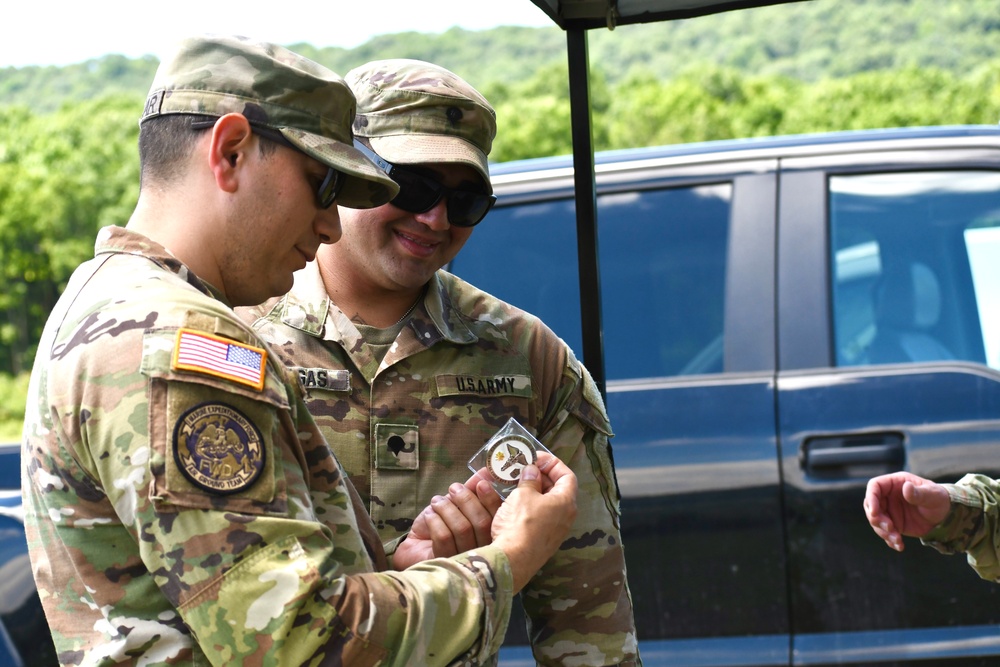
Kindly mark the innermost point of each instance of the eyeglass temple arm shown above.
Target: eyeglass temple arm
(382, 164)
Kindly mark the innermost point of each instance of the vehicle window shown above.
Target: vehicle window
(983, 244)
(663, 274)
(915, 261)
(526, 255)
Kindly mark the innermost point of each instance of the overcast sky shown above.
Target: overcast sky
(62, 32)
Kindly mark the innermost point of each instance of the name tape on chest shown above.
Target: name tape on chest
(484, 385)
(200, 352)
(331, 379)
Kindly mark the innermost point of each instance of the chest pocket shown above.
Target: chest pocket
(216, 431)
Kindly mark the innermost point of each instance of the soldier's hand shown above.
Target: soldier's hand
(418, 545)
(536, 517)
(451, 524)
(488, 497)
(901, 504)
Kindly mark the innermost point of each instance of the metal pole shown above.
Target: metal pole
(586, 206)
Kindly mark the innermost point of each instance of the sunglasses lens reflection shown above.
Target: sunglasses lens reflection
(330, 188)
(418, 194)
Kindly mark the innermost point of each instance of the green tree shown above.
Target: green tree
(533, 116)
(895, 98)
(62, 177)
(13, 397)
(981, 98)
(705, 103)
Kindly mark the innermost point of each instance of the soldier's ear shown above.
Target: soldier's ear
(231, 139)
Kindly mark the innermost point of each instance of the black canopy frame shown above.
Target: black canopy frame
(576, 17)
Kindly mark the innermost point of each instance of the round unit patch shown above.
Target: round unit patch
(218, 449)
(508, 456)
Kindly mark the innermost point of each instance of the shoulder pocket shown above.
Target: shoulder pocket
(213, 432)
(589, 404)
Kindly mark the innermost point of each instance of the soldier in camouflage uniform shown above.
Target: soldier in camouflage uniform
(953, 518)
(180, 504)
(408, 370)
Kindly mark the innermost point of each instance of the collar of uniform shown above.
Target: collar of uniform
(447, 317)
(305, 307)
(119, 240)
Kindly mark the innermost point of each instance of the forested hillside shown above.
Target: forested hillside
(807, 41)
(68, 163)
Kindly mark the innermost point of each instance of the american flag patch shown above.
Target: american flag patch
(203, 353)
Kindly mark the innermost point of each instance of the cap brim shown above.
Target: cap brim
(366, 186)
(431, 148)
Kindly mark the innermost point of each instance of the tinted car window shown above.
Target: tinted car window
(915, 259)
(663, 274)
(536, 276)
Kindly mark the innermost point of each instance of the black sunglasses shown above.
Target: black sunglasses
(419, 193)
(328, 189)
(331, 186)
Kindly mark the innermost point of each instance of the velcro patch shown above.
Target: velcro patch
(218, 448)
(397, 447)
(484, 385)
(219, 357)
(332, 379)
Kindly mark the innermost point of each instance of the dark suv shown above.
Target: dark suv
(782, 319)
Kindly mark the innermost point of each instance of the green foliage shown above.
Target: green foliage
(543, 131)
(13, 392)
(703, 104)
(533, 116)
(63, 176)
(806, 41)
(505, 54)
(906, 97)
(45, 89)
(985, 80)
(810, 40)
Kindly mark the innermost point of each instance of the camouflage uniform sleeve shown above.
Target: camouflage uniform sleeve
(431, 626)
(578, 606)
(972, 526)
(285, 606)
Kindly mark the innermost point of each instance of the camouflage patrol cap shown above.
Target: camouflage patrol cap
(310, 106)
(416, 112)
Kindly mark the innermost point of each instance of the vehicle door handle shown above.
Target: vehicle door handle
(840, 453)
